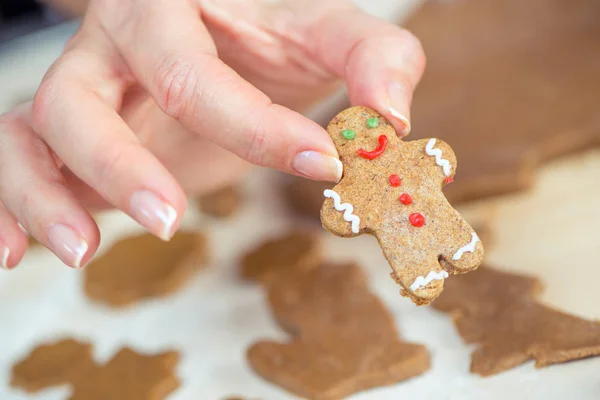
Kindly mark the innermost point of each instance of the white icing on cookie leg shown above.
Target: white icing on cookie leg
(346, 207)
(470, 247)
(424, 281)
(442, 162)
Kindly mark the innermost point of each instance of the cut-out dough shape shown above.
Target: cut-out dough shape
(144, 266)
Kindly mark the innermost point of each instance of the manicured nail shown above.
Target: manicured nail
(318, 166)
(5, 255)
(67, 244)
(398, 106)
(153, 213)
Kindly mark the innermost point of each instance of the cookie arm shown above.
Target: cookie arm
(442, 156)
(339, 217)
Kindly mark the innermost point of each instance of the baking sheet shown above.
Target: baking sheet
(216, 316)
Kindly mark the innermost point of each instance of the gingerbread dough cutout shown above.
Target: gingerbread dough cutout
(494, 86)
(130, 376)
(345, 341)
(296, 251)
(305, 197)
(52, 364)
(393, 190)
(222, 203)
(127, 376)
(499, 312)
(144, 266)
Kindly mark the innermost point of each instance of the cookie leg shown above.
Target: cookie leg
(422, 283)
(464, 255)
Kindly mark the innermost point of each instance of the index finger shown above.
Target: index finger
(380, 62)
(172, 54)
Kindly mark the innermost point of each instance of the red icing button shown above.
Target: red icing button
(395, 180)
(406, 199)
(416, 220)
(449, 180)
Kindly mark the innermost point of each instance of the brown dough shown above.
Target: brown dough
(221, 204)
(416, 254)
(298, 250)
(144, 266)
(52, 364)
(510, 84)
(127, 376)
(345, 340)
(499, 312)
(130, 376)
(305, 197)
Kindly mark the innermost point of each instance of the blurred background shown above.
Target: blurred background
(19, 17)
(548, 230)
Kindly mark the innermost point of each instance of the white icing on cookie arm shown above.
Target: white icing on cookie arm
(437, 153)
(469, 247)
(347, 208)
(421, 281)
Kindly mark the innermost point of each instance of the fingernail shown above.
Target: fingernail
(5, 255)
(397, 97)
(67, 244)
(153, 213)
(318, 166)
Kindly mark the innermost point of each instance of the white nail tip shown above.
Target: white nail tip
(340, 169)
(5, 255)
(79, 252)
(402, 118)
(167, 219)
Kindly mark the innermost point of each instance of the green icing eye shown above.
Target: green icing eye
(348, 134)
(373, 122)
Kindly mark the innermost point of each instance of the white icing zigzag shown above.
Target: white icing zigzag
(442, 162)
(424, 281)
(470, 247)
(346, 207)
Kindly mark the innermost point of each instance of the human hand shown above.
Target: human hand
(147, 94)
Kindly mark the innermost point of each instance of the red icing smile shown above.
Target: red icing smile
(371, 155)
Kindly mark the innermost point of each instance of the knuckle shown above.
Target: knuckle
(414, 46)
(174, 82)
(111, 164)
(257, 142)
(43, 100)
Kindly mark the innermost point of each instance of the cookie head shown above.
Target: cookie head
(364, 133)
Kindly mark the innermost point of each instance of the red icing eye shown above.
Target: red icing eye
(405, 199)
(449, 180)
(416, 220)
(395, 180)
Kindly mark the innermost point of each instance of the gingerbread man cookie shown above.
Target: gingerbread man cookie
(393, 190)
